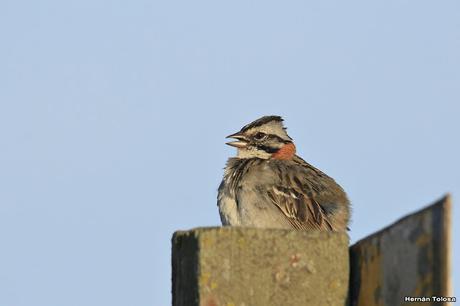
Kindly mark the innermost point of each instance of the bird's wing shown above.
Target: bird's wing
(296, 193)
(301, 210)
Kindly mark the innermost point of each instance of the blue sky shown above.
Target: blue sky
(113, 117)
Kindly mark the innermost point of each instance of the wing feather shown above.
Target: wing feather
(302, 211)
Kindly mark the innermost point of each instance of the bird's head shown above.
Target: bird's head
(264, 138)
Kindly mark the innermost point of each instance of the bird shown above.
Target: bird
(267, 185)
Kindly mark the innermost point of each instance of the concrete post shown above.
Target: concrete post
(247, 266)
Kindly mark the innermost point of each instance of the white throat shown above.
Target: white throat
(253, 153)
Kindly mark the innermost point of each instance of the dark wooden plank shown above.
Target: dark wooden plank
(410, 258)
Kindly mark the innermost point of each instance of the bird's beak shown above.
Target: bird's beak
(241, 141)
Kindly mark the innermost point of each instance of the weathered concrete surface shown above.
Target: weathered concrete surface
(231, 266)
(408, 258)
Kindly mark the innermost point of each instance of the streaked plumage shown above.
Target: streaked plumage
(268, 186)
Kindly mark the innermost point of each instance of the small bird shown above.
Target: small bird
(267, 185)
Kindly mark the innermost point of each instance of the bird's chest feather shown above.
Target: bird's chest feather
(244, 174)
(239, 198)
(231, 187)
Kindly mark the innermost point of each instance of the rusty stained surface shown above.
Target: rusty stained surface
(408, 258)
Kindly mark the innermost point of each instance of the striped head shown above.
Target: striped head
(264, 138)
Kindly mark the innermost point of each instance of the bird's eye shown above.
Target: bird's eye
(259, 136)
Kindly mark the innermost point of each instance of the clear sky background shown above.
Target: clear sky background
(113, 116)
